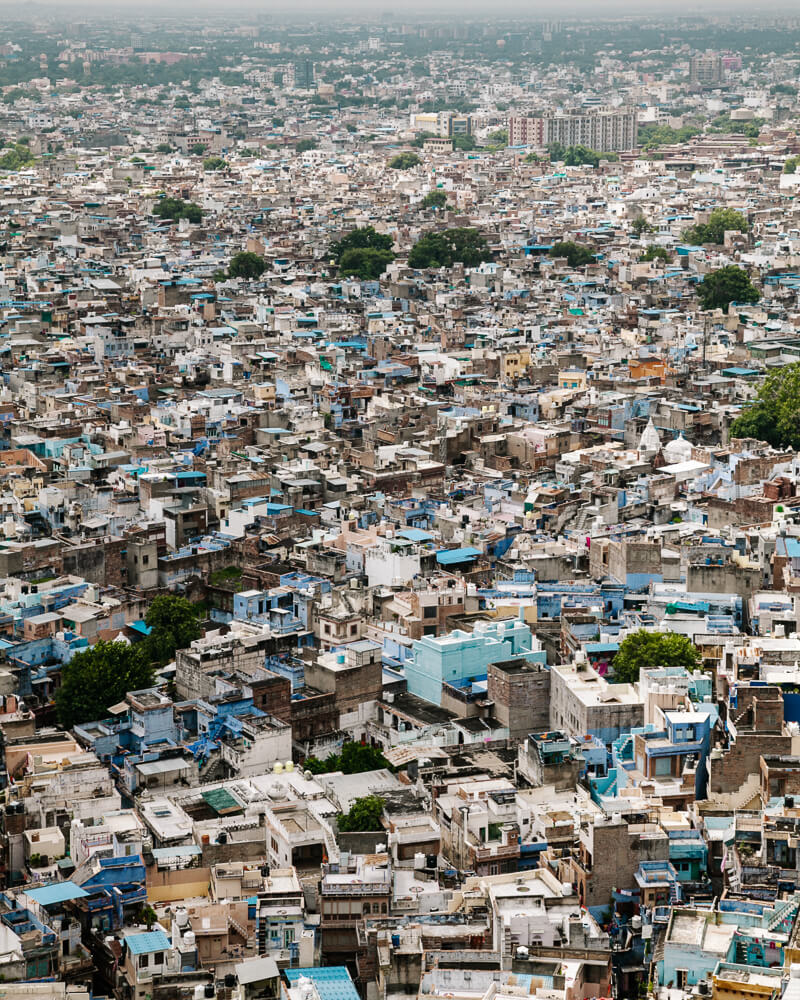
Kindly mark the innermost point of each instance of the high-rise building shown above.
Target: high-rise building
(706, 69)
(607, 131)
(304, 74)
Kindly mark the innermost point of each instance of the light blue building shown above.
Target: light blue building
(464, 657)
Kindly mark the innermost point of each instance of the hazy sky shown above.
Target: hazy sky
(535, 10)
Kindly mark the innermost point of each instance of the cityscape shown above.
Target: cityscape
(399, 502)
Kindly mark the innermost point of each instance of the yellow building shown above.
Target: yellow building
(745, 982)
(517, 363)
(572, 378)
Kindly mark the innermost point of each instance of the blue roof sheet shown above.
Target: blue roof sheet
(147, 942)
(449, 556)
(415, 534)
(333, 982)
(57, 892)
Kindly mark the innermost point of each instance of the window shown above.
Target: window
(145, 560)
(144, 961)
(430, 611)
(158, 958)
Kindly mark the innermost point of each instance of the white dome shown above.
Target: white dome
(650, 442)
(679, 450)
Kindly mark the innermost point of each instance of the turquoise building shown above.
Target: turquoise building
(462, 658)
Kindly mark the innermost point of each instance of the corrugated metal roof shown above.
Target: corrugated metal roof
(57, 892)
(448, 556)
(147, 942)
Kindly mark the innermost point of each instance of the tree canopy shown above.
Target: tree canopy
(305, 145)
(212, 163)
(642, 650)
(17, 157)
(434, 199)
(727, 284)
(99, 677)
(365, 238)
(365, 263)
(364, 814)
(404, 161)
(450, 246)
(641, 225)
(173, 623)
(177, 208)
(355, 758)
(774, 415)
(720, 221)
(577, 156)
(654, 253)
(653, 136)
(576, 253)
(246, 264)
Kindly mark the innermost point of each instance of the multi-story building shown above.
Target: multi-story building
(706, 69)
(357, 888)
(607, 131)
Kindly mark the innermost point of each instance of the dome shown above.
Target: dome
(679, 450)
(650, 442)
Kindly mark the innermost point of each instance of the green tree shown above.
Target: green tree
(450, 246)
(177, 208)
(212, 163)
(164, 147)
(580, 156)
(16, 158)
(365, 238)
(365, 814)
(774, 415)
(419, 140)
(434, 199)
(14, 95)
(466, 143)
(653, 136)
(790, 166)
(577, 254)
(727, 284)
(99, 677)
(355, 758)
(246, 265)
(721, 221)
(358, 757)
(532, 158)
(173, 625)
(197, 149)
(365, 263)
(641, 225)
(305, 145)
(642, 650)
(404, 161)
(498, 138)
(654, 253)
